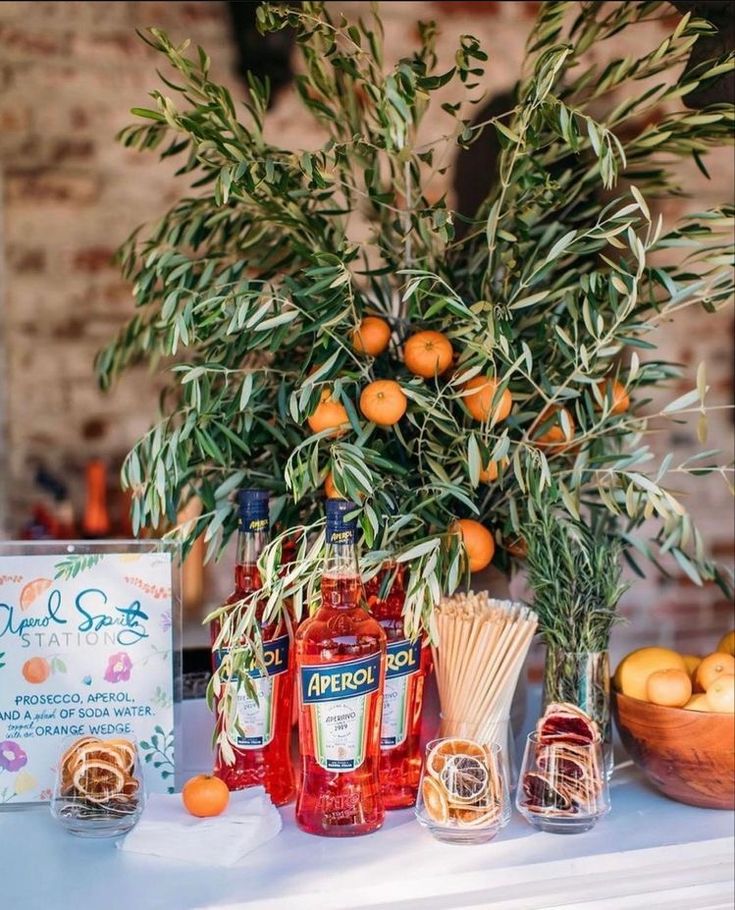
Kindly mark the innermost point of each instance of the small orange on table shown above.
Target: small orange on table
(479, 401)
(614, 391)
(478, 542)
(328, 415)
(372, 336)
(205, 796)
(428, 354)
(383, 402)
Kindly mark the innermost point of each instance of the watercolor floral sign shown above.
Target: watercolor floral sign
(86, 649)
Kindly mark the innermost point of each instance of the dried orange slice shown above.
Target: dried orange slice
(436, 759)
(478, 818)
(98, 780)
(465, 778)
(130, 788)
(68, 759)
(435, 802)
(123, 752)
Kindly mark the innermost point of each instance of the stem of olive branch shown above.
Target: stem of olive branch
(407, 213)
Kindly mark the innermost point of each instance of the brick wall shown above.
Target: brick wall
(69, 72)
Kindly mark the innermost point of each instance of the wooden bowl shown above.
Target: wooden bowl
(688, 755)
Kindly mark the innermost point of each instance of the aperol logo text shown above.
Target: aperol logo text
(338, 681)
(404, 658)
(346, 537)
(256, 524)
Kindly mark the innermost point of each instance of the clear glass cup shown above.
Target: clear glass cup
(498, 731)
(464, 796)
(563, 787)
(582, 679)
(98, 789)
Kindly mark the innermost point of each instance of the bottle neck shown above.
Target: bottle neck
(340, 561)
(250, 545)
(341, 583)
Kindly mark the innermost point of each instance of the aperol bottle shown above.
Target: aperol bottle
(408, 664)
(261, 742)
(340, 662)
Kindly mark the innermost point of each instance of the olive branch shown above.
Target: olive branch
(249, 288)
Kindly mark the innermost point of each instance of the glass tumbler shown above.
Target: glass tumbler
(464, 795)
(563, 786)
(98, 790)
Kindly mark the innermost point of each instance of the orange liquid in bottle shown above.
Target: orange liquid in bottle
(408, 665)
(262, 747)
(340, 659)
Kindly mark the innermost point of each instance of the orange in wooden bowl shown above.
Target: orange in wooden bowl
(689, 755)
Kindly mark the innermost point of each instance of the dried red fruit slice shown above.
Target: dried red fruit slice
(560, 760)
(566, 723)
(541, 796)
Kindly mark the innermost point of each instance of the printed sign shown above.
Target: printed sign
(86, 649)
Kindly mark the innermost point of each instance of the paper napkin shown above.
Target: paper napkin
(166, 829)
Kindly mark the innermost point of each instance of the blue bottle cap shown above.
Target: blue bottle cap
(254, 510)
(340, 529)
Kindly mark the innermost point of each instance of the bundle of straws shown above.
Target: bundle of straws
(480, 649)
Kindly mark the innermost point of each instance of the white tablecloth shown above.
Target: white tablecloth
(649, 852)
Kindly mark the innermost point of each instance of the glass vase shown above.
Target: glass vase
(582, 678)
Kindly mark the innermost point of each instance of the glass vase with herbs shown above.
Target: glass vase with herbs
(574, 571)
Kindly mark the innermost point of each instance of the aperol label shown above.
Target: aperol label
(338, 697)
(403, 661)
(256, 715)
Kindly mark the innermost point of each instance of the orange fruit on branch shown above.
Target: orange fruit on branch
(489, 473)
(371, 336)
(383, 402)
(479, 402)
(428, 354)
(553, 434)
(614, 391)
(330, 488)
(205, 796)
(478, 542)
(328, 415)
